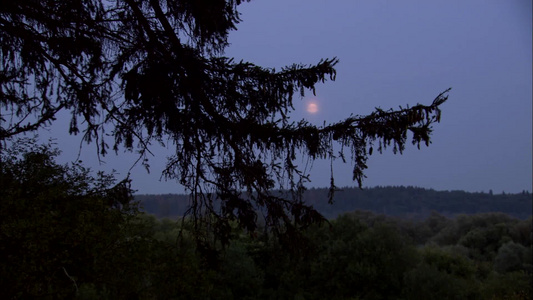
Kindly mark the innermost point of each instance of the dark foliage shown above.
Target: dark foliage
(145, 71)
(67, 235)
(58, 224)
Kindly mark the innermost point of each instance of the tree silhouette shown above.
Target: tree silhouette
(150, 71)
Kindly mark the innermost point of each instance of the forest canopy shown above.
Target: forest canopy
(140, 72)
(66, 233)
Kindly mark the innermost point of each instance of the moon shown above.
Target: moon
(312, 108)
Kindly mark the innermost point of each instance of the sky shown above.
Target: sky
(393, 53)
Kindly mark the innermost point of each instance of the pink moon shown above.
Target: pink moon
(312, 108)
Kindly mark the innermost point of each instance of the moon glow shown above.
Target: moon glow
(312, 108)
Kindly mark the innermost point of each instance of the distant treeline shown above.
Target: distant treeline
(406, 202)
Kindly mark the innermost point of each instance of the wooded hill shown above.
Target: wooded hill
(408, 202)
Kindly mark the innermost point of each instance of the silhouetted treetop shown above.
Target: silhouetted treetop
(145, 71)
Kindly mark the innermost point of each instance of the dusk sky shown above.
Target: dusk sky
(393, 53)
